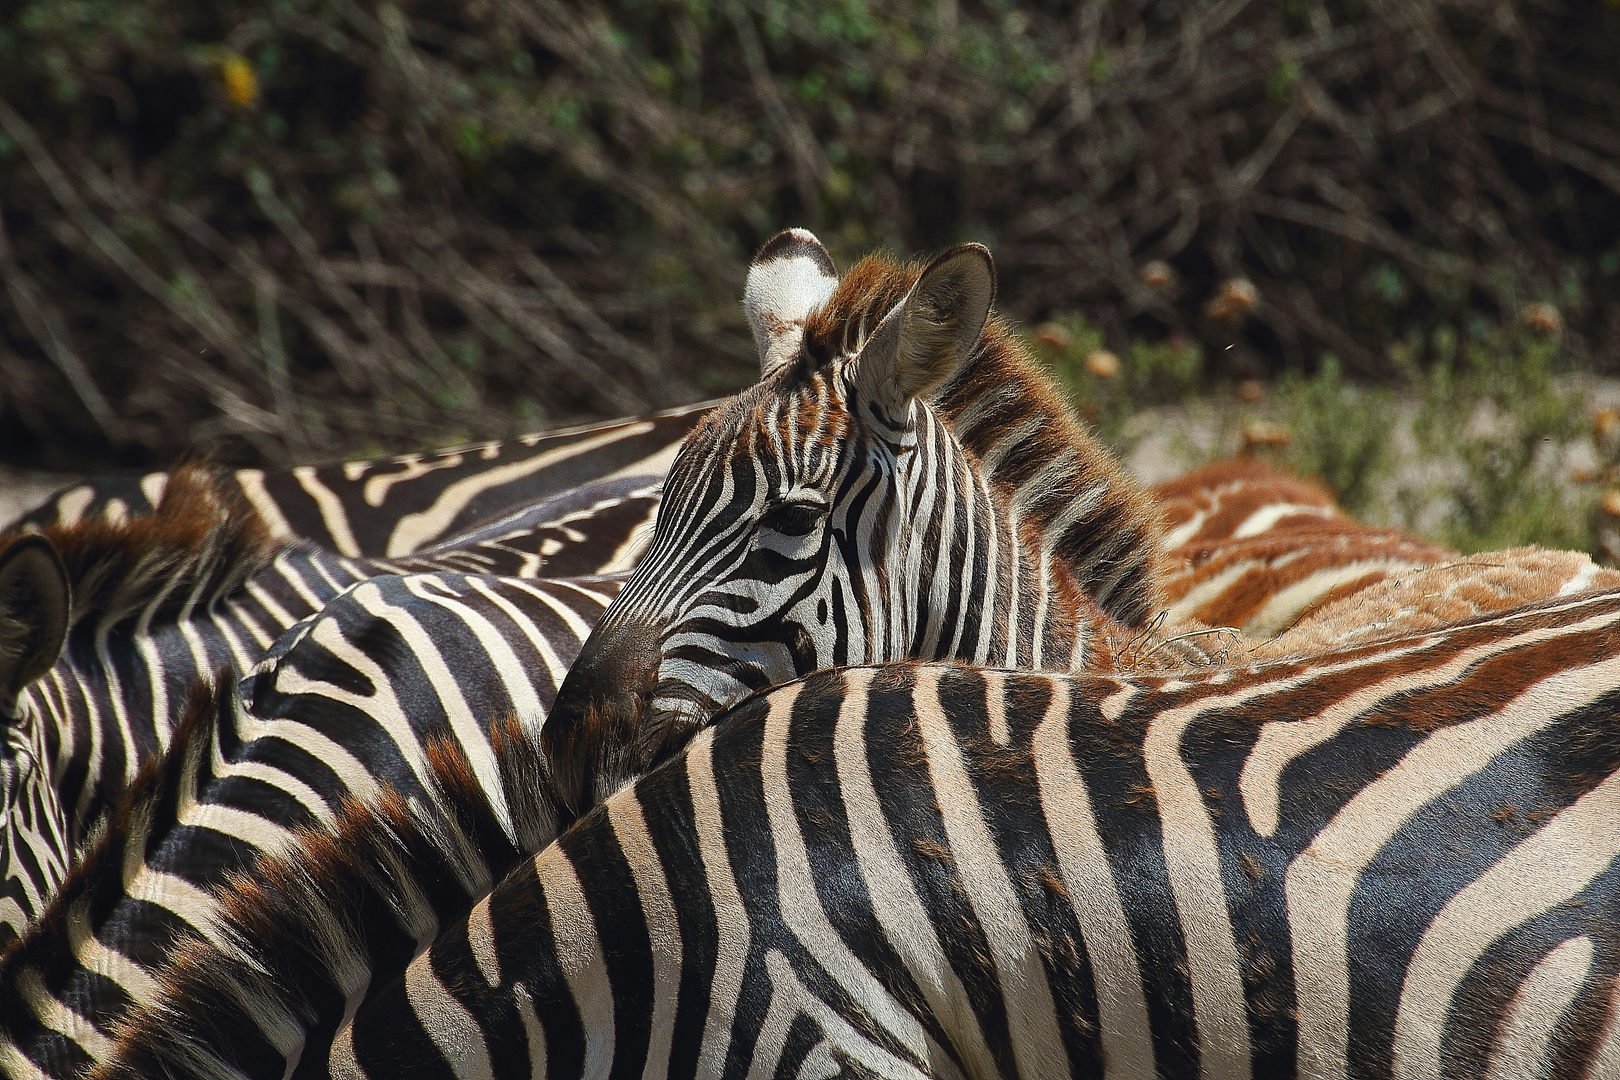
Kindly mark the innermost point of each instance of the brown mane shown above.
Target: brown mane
(1008, 413)
(202, 542)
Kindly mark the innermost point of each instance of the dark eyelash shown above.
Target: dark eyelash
(793, 518)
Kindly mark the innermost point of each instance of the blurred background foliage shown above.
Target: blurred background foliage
(298, 229)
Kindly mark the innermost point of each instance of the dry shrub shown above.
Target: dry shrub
(288, 230)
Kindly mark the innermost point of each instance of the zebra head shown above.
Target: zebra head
(35, 611)
(832, 515)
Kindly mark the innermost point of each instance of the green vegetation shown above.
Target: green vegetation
(1374, 241)
(1470, 446)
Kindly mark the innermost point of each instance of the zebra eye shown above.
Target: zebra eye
(793, 518)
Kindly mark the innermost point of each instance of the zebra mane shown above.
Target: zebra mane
(340, 909)
(1003, 408)
(203, 542)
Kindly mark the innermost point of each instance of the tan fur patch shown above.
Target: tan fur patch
(1256, 549)
(1211, 503)
(1423, 599)
(1262, 584)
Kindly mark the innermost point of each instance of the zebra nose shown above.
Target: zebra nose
(591, 736)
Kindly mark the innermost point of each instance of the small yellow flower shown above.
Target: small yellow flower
(241, 82)
(1233, 301)
(1158, 274)
(1544, 319)
(1606, 424)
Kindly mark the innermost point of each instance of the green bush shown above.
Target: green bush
(1467, 447)
(1340, 432)
(1494, 406)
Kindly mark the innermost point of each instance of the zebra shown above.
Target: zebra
(326, 701)
(348, 705)
(393, 507)
(34, 617)
(156, 602)
(1249, 547)
(903, 482)
(1400, 860)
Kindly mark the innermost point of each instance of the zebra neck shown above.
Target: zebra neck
(1096, 522)
(983, 582)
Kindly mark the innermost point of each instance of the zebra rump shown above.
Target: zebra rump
(1398, 860)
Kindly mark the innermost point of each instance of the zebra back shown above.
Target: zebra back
(393, 507)
(1236, 498)
(1401, 859)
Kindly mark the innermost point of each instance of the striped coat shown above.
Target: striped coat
(904, 482)
(151, 604)
(393, 507)
(1401, 860)
(1249, 547)
(348, 705)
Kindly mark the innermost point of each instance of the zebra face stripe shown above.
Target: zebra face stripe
(754, 552)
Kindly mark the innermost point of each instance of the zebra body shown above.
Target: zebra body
(902, 483)
(1249, 547)
(394, 507)
(1394, 861)
(350, 705)
(198, 588)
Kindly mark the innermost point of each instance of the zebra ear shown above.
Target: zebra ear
(789, 279)
(926, 337)
(35, 610)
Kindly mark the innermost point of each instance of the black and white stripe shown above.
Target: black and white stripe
(196, 589)
(1396, 861)
(393, 507)
(351, 705)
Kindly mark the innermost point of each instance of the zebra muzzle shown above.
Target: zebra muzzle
(593, 738)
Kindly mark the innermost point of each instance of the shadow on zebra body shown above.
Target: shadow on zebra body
(1401, 859)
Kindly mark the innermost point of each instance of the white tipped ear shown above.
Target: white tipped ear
(926, 337)
(789, 279)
